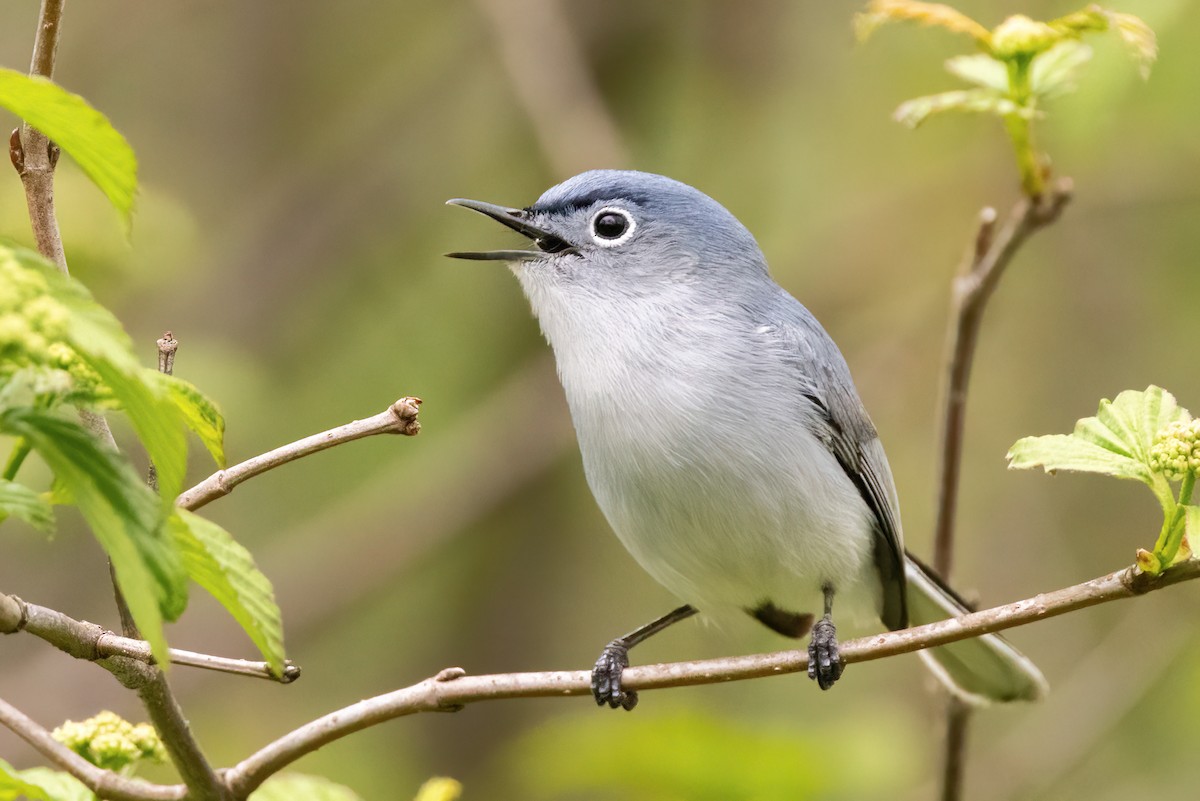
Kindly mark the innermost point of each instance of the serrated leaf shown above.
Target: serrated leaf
(880, 12)
(121, 511)
(80, 130)
(23, 503)
(1053, 72)
(100, 340)
(1077, 454)
(1138, 37)
(199, 412)
(980, 69)
(41, 784)
(914, 112)
(301, 787)
(219, 564)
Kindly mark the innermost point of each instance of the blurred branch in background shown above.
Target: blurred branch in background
(554, 84)
(989, 255)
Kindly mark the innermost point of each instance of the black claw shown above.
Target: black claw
(824, 662)
(606, 677)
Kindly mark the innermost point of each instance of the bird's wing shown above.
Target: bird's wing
(842, 424)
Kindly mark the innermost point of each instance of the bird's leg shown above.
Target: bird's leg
(606, 675)
(824, 662)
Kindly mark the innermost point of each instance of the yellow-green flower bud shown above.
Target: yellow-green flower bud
(47, 315)
(110, 742)
(1176, 450)
(14, 331)
(1021, 36)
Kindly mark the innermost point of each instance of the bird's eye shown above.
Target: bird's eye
(612, 226)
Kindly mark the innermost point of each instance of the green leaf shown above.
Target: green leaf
(80, 130)
(1116, 442)
(22, 502)
(219, 564)
(1053, 72)
(914, 112)
(881, 12)
(980, 69)
(100, 340)
(1138, 37)
(299, 787)
(199, 413)
(41, 784)
(122, 512)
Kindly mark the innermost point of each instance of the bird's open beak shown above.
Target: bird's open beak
(516, 219)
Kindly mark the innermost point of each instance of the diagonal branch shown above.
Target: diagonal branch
(104, 783)
(452, 688)
(93, 643)
(399, 418)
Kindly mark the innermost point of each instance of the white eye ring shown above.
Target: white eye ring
(621, 238)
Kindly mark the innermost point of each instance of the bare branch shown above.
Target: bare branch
(399, 418)
(978, 277)
(103, 783)
(451, 689)
(93, 643)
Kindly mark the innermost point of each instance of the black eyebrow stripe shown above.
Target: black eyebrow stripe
(595, 196)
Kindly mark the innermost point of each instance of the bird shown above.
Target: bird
(721, 432)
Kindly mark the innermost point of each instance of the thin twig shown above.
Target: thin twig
(452, 688)
(93, 643)
(104, 783)
(399, 418)
(981, 271)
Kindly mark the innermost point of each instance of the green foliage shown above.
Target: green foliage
(220, 565)
(60, 348)
(109, 741)
(40, 784)
(1144, 436)
(80, 130)
(299, 787)
(22, 502)
(1024, 62)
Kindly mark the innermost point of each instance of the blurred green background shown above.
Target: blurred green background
(294, 161)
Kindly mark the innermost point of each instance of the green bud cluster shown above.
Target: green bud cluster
(33, 333)
(109, 741)
(1020, 36)
(1176, 450)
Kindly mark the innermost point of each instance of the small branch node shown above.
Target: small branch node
(987, 227)
(14, 614)
(450, 674)
(16, 151)
(53, 151)
(406, 410)
(166, 353)
(291, 672)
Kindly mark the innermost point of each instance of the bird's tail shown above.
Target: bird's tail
(980, 670)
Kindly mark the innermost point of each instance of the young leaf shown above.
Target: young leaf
(980, 69)
(299, 787)
(22, 502)
(914, 112)
(1139, 39)
(80, 130)
(41, 784)
(1116, 442)
(880, 12)
(198, 411)
(122, 512)
(440, 789)
(215, 561)
(1053, 72)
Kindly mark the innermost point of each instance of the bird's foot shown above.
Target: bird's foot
(824, 662)
(606, 677)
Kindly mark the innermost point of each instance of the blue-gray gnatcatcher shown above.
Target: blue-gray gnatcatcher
(721, 432)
